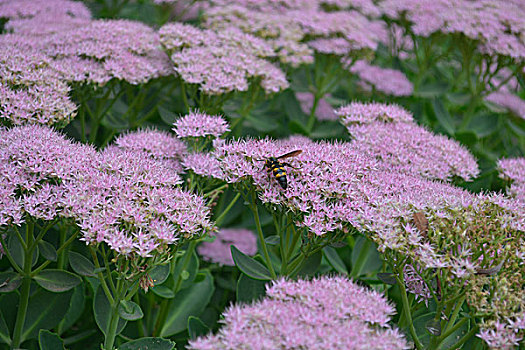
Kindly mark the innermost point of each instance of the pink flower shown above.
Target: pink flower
(219, 250)
(385, 80)
(197, 124)
(327, 313)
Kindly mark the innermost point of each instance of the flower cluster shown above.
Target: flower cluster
(328, 313)
(509, 101)
(401, 143)
(35, 165)
(385, 80)
(514, 170)
(31, 92)
(323, 111)
(203, 164)
(160, 145)
(221, 61)
(219, 250)
(497, 25)
(197, 124)
(126, 198)
(297, 29)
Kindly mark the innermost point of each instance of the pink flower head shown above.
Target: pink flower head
(131, 201)
(508, 101)
(161, 145)
(388, 133)
(513, 169)
(197, 124)
(36, 163)
(219, 250)
(221, 61)
(324, 110)
(327, 313)
(367, 113)
(203, 164)
(386, 80)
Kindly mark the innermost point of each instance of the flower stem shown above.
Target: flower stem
(228, 208)
(406, 309)
(261, 237)
(25, 289)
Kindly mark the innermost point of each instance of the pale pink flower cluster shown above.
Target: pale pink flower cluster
(509, 101)
(221, 61)
(196, 124)
(297, 29)
(160, 145)
(323, 111)
(327, 313)
(513, 169)
(503, 335)
(219, 251)
(125, 198)
(399, 142)
(497, 25)
(385, 80)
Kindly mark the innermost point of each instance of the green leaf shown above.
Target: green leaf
(130, 310)
(188, 302)
(49, 341)
(272, 240)
(442, 115)
(311, 264)
(163, 291)
(102, 311)
(484, 124)
(249, 289)
(148, 344)
(57, 281)
(160, 273)
(468, 137)
(47, 250)
(45, 311)
(387, 278)
(327, 130)
(189, 274)
(365, 257)
(249, 266)
(295, 127)
(75, 310)
(81, 265)
(196, 327)
(16, 249)
(9, 281)
(262, 124)
(4, 330)
(167, 116)
(335, 260)
(431, 90)
(433, 327)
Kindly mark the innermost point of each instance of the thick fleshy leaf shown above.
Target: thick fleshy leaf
(387, 277)
(163, 291)
(9, 281)
(196, 327)
(130, 311)
(335, 260)
(76, 308)
(188, 302)
(249, 289)
(57, 281)
(249, 266)
(311, 264)
(47, 250)
(149, 344)
(49, 341)
(81, 265)
(102, 310)
(433, 326)
(45, 311)
(160, 273)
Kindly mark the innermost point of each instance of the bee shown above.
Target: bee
(276, 167)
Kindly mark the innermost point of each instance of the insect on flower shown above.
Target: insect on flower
(275, 166)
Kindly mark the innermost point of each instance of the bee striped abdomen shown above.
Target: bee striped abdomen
(278, 171)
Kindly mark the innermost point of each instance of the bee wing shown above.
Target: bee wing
(290, 154)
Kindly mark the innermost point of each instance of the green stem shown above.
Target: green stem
(101, 276)
(221, 217)
(261, 237)
(406, 309)
(25, 289)
(311, 118)
(111, 330)
(465, 338)
(455, 314)
(59, 251)
(451, 330)
(62, 256)
(184, 97)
